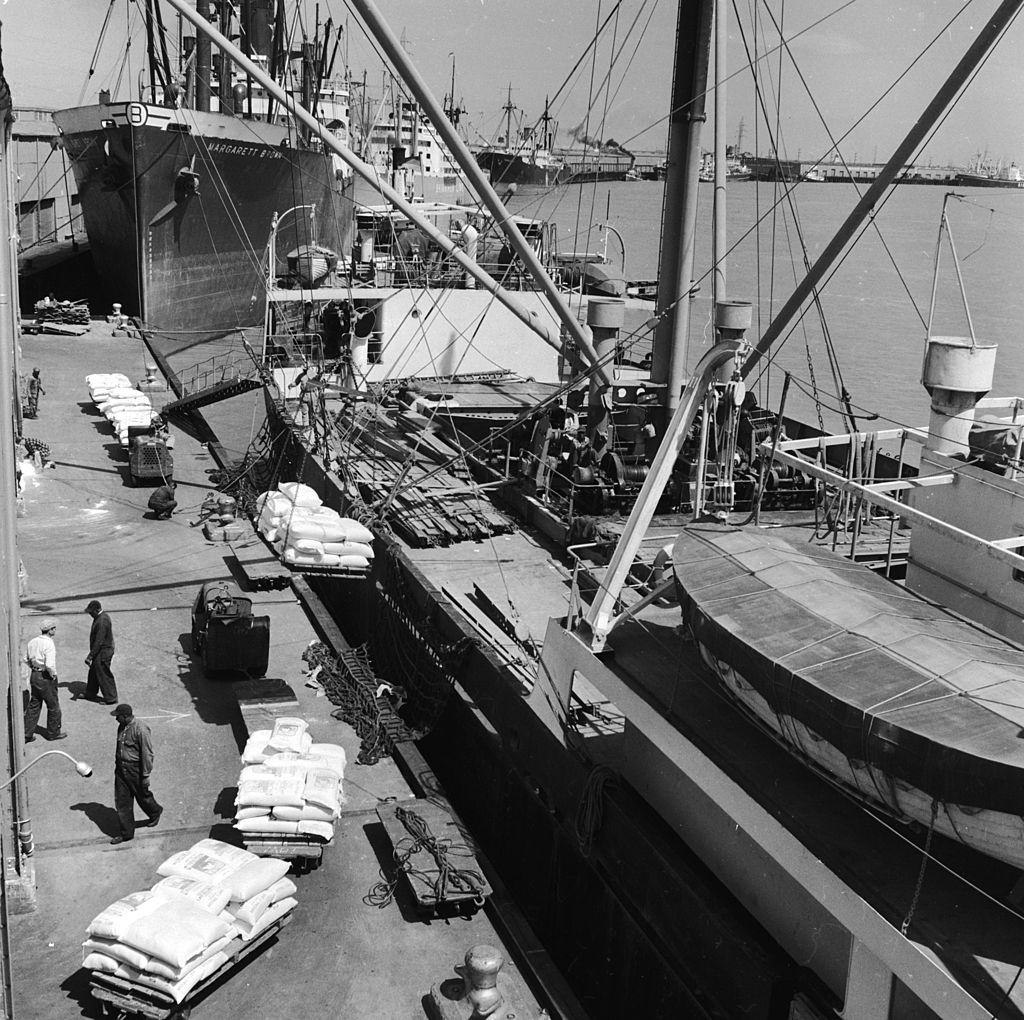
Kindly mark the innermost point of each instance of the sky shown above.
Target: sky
(846, 61)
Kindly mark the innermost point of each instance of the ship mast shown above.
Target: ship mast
(679, 214)
(508, 108)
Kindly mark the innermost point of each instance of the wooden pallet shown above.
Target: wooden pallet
(121, 998)
(423, 871)
(306, 852)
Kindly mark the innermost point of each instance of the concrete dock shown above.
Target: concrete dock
(83, 536)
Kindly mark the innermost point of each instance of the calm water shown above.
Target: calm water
(869, 306)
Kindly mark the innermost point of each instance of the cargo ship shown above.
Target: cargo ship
(529, 160)
(180, 186)
(545, 604)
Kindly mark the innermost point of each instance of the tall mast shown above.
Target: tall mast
(204, 60)
(508, 119)
(679, 214)
(718, 253)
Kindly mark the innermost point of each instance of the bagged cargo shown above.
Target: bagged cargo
(209, 860)
(209, 895)
(115, 950)
(268, 824)
(255, 877)
(333, 754)
(299, 494)
(289, 734)
(281, 888)
(112, 922)
(177, 990)
(348, 549)
(270, 793)
(308, 547)
(353, 561)
(273, 504)
(175, 931)
(253, 908)
(323, 830)
(273, 914)
(322, 789)
(255, 747)
(307, 813)
(251, 812)
(161, 970)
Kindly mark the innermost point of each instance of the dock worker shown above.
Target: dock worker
(35, 391)
(133, 764)
(41, 656)
(100, 685)
(162, 502)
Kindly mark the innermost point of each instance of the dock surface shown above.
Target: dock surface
(84, 535)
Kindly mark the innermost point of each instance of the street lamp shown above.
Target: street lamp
(81, 767)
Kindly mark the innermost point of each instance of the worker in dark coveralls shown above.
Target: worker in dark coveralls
(100, 686)
(41, 656)
(162, 502)
(133, 763)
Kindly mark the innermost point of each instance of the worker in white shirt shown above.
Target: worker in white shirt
(41, 656)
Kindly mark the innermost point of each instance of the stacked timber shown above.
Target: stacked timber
(65, 313)
(401, 465)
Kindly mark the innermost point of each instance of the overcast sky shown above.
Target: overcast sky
(847, 61)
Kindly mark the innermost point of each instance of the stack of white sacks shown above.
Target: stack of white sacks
(211, 900)
(289, 785)
(307, 533)
(120, 403)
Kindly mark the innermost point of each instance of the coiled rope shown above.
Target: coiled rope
(448, 876)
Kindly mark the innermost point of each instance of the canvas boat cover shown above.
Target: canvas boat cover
(883, 675)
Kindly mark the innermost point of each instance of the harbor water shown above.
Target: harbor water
(875, 304)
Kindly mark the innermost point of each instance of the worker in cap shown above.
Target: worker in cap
(133, 763)
(41, 657)
(100, 685)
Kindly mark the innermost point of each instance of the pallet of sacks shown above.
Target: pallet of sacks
(120, 403)
(290, 793)
(214, 905)
(310, 536)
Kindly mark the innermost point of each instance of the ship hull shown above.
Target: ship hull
(510, 168)
(983, 181)
(178, 207)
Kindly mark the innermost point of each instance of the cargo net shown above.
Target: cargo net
(257, 471)
(364, 701)
(408, 647)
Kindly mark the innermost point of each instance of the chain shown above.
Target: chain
(904, 928)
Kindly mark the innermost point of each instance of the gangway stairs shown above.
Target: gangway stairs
(215, 379)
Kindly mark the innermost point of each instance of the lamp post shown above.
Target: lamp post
(81, 767)
(7, 1011)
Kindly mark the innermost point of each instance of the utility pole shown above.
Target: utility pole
(18, 873)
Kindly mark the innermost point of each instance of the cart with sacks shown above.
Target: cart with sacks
(156, 952)
(290, 793)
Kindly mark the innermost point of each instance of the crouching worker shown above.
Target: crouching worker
(162, 502)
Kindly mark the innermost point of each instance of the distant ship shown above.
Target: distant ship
(529, 161)
(178, 192)
(984, 176)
